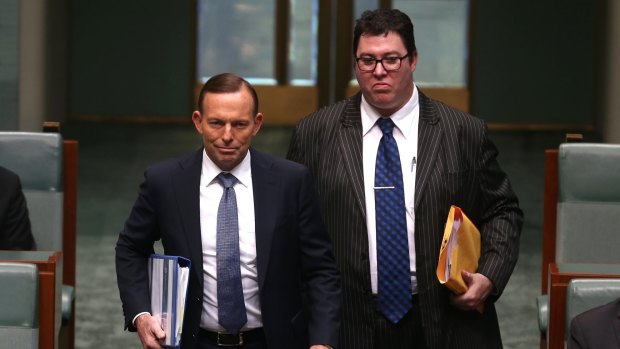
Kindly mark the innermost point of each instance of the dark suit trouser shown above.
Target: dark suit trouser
(406, 334)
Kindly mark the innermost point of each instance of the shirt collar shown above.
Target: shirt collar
(242, 172)
(403, 118)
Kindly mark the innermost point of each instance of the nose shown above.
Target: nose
(379, 69)
(227, 134)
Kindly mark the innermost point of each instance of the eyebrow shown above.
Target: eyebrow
(386, 54)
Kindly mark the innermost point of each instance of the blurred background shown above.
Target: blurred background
(122, 77)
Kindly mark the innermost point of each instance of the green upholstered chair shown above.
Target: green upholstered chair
(40, 160)
(19, 301)
(588, 207)
(588, 203)
(586, 294)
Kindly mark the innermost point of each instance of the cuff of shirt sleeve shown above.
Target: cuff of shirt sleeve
(137, 316)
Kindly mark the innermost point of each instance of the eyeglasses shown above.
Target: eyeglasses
(368, 64)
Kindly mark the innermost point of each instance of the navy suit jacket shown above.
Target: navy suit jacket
(297, 275)
(596, 328)
(15, 233)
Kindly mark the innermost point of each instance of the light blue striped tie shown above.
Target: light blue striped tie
(231, 306)
(394, 278)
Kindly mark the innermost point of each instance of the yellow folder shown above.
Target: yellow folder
(460, 249)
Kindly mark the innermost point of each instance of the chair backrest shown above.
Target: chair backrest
(588, 203)
(19, 301)
(585, 294)
(38, 160)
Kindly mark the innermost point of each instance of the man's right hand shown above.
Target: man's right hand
(149, 331)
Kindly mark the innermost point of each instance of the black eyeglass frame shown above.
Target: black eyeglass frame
(376, 61)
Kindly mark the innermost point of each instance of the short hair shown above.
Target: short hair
(227, 83)
(383, 21)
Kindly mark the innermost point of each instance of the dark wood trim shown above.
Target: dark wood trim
(281, 36)
(193, 22)
(69, 242)
(324, 68)
(471, 59)
(344, 37)
(602, 31)
(70, 211)
(514, 126)
(134, 119)
(550, 200)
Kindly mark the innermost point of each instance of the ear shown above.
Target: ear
(258, 122)
(197, 119)
(414, 61)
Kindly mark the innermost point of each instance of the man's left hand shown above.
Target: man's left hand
(479, 288)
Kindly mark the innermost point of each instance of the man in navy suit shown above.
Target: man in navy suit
(290, 283)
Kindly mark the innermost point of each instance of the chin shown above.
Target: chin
(382, 99)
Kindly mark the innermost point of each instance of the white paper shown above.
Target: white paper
(451, 245)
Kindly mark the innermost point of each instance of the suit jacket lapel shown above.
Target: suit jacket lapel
(186, 183)
(264, 183)
(350, 139)
(429, 137)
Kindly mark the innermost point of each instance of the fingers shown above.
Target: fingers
(467, 277)
(149, 331)
(479, 287)
(158, 331)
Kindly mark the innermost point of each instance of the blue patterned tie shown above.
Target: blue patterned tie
(394, 278)
(231, 306)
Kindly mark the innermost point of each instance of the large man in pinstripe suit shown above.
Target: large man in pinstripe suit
(446, 159)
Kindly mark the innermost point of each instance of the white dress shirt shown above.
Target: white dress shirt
(210, 194)
(406, 135)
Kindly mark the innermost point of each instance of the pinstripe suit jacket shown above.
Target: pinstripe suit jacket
(456, 165)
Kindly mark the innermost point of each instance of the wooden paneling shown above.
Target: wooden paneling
(70, 231)
(550, 201)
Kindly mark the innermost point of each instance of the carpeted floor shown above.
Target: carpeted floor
(112, 158)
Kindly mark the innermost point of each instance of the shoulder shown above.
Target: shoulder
(457, 125)
(9, 180)
(601, 313)
(331, 114)
(170, 166)
(448, 114)
(275, 163)
(8, 175)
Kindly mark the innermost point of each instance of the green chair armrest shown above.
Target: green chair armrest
(68, 296)
(542, 304)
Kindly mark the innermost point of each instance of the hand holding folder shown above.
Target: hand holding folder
(460, 250)
(169, 277)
